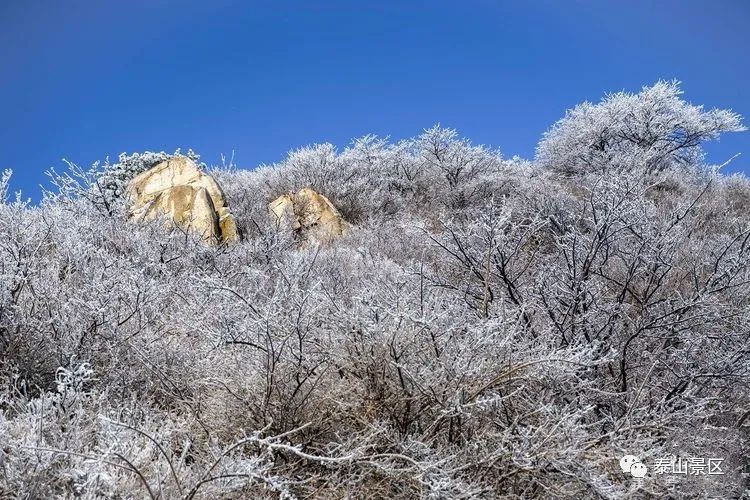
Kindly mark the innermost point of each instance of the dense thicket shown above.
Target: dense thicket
(488, 328)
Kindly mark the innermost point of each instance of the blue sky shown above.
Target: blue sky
(83, 80)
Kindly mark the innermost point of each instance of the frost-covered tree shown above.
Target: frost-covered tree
(652, 130)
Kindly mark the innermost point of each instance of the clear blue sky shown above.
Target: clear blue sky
(86, 79)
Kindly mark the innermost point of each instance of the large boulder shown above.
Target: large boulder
(309, 214)
(193, 199)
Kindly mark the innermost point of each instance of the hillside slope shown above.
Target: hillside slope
(487, 328)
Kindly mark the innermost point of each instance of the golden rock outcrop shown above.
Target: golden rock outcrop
(309, 214)
(193, 199)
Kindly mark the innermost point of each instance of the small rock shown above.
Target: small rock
(309, 214)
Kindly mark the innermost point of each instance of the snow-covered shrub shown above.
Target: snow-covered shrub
(4, 185)
(434, 172)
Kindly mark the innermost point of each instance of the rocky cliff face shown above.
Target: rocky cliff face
(309, 214)
(192, 199)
